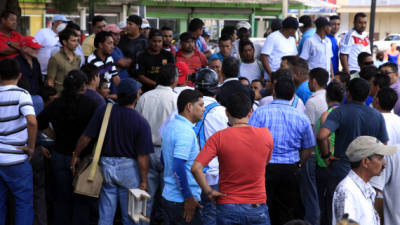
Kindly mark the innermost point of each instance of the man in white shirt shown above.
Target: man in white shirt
(278, 44)
(214, 119)
(317, 50)
(18, 130)
(250, 68)
(155, 106)
(354, 195)
(48, 38)
(353, 43)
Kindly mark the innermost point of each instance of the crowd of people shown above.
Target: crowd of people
(274, 134)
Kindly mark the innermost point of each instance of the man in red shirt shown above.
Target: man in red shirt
(9, 38)
(189, 54)
(243, 152)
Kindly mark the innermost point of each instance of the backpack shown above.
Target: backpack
(199, 127)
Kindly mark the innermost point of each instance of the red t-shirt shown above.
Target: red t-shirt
(197, 61)
(14, 37)
(243, 153)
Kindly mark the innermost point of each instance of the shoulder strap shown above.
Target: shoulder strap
(100, 140)
(295, 101)
(199, 127)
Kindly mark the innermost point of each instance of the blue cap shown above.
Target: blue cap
(128, 87)
(60, 18)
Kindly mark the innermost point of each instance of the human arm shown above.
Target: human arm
(51, 71)
(345, 63)
(124, 63)
(143, 162)
(116, 80)
(305, 155)
(10, 50)
(32, 134)
(147, 81)
(83, 142)
(265, 63)
(197, 171)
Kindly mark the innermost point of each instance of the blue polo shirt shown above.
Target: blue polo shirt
(217, 56)
(309, 33)
(117, 55)
(335, 51)
(179, 141)
(303, 91)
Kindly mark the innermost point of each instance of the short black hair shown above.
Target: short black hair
(335, 91)
(359, 14)
(124, 99)
(291, 59)
(6, 13)
(46, 92)
(97, 19)
(101, 37)
(344, 77)
(155, 33)
(91, 71)
(359, 89)
(73, 26)
(387, 98)
(320, 75)
(362, 56)
(244, 78)
(334, 17)
(224, 38)
(355, 165)
(238, 105)
(184, 37)
(392, 65)
(381, 80)
(9, 69)
(243, 43)
(276, 24)
(187, 96)
(368, 72)
(306, 21)
(230, 67)
(284, 88)
(168, 75)
(166, 28)
(135, 19)
(65, 34)
(298, 65)
(228, 30)
(195, 24)
(281, 73)
(257, 80)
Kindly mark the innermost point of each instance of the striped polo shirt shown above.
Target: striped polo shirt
(15, 105)
(107, 68)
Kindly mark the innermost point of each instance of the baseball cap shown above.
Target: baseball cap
(183, 71)
(305, 21)
(29, 41)
(128, 87)
(122, 24)
(60, 18)
(243, 24)
(290, 22)
(145, 24)
(112, 28)
(365, 146)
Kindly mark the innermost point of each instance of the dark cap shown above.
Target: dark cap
(276, 24)
(321, 22)
(305, 21)
(290, 23)
(128, 87)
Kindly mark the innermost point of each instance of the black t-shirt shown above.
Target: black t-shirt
(149, 65)
(131, 48)
(67, 126)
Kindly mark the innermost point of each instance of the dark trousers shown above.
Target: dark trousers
(175, 212)
(322, 175)
(283, 193)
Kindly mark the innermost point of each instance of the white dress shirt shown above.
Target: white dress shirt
(317, 52)
(315, 106)
(156, 106)
(276, 46)
(47, 38)
(356, 198)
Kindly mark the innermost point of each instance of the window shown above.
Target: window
(389, 38)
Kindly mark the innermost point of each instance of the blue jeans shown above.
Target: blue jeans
(308, 191)
(119, 174)
(243, 214)
(19, 180)
(209, 210)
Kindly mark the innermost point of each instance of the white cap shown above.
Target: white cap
(122, 24)
(145, 24)
(243, 24)
(365, 146)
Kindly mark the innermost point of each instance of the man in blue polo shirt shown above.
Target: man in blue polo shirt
(335, 26)
(225, 49)
(181, 193)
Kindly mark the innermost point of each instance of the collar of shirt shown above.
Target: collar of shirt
(319, 38)
(319, 92)
(161, 87)
(230, 79)
(309, 32)
(180, 54)
(280, 102)
(367, 190)
(208, 100)
(183, 119)
(62, 50)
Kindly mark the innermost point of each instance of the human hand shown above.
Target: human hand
(190, 205)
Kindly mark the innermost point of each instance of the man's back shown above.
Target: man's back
(243, 153)
(155, 106)
(230, 87)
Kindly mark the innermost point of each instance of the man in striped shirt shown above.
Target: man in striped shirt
(102, 58)
(18, 130)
